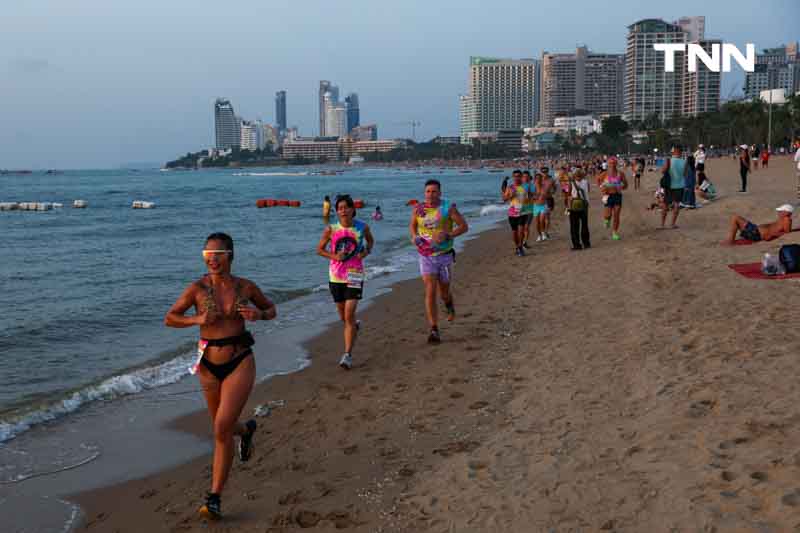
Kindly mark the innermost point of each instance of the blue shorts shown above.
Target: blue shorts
(614, 200)
(539, 209)
(750, 232)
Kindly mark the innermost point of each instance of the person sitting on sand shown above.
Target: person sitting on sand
(706, 190)
(763, 232)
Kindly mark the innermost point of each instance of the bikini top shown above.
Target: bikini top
(210, 300)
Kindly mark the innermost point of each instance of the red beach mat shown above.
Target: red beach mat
(753, 271)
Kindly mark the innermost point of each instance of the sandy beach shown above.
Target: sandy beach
(641, 385)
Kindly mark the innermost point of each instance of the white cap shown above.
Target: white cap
(743, 147)
(700, 146)
(785, 207)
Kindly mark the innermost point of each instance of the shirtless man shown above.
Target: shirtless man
(763, 232)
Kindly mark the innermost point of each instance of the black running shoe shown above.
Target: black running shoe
(212, 509)
(434, 338)
(246, 441)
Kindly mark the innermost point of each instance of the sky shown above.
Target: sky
(105, 83)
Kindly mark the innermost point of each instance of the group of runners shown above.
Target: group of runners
(225, 363)
(223, 302)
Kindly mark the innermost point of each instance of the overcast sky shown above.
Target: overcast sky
(101, 83)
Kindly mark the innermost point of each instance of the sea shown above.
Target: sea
(89, 372)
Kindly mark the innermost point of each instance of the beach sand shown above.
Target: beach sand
(638, 386)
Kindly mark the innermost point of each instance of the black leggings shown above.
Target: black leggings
(743, 173)
(579, 228)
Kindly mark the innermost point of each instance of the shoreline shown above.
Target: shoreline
(563, 397)
(294, 389)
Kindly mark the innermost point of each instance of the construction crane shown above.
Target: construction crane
(413, 123)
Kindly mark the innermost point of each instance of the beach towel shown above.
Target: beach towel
(753, 271)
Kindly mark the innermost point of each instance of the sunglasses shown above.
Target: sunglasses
(211, 253)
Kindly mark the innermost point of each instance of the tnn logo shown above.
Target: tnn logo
(695, 51)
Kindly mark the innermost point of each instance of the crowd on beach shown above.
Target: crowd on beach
(534, 193)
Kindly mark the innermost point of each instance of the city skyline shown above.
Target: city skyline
(88, 70)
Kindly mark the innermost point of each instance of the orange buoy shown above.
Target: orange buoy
(269, 202)
(282, 203)
(412, 202)
(358, 203)
(261, 203)
(294, 203)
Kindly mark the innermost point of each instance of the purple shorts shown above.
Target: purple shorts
(440, 266)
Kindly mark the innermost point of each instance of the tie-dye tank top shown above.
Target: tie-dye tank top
(347, 239)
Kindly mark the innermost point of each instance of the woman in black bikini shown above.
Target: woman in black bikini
(226, 368)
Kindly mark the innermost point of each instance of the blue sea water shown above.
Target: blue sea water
(84, 291)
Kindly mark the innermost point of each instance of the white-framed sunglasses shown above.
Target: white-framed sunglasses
(210, 253)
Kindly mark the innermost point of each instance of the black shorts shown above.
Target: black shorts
(551, 203)
(673, 196)
(516, 222)
(701, 167)
(342, 292)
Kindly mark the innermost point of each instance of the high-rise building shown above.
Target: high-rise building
(701, 89)
(332, 92)
(271, 135)
(502, 96)
(226, 125)
(280, 110)
(353, 113)
(580, 82)
(649, 90)
(335, 119)
(252, 135)
(776, 68)
(695, 27)
(324, 88)
(368, 132)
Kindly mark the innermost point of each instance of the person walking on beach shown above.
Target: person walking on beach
(612, 182)
(350, 242)
(579, 211)
(744, 166)
(326, 208)
(433, 227)
(677, 168)
(527, 207)
(550, 183)
(516, 194)
(689, 201)
(797, 168)
(225, 365)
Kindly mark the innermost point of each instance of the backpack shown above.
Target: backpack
(789, 255)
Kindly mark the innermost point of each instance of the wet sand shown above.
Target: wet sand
(637, 386)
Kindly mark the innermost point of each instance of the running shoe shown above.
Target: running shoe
(346, 361)
(615, 237)
(539, 238)
(434, 338)
(545, 236)
(246, 441)
(525, 244)
(607, 222)
(212, 509)
(451, 311)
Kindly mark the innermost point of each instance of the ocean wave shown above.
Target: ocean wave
(492, 209)
(118, 386)
(270, 174)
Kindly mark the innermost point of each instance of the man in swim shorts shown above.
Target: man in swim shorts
(765, 232)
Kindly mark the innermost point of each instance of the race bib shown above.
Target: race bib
(201, 349)
(355, 279)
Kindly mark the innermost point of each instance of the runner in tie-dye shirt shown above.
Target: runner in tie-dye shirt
(350, 242)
